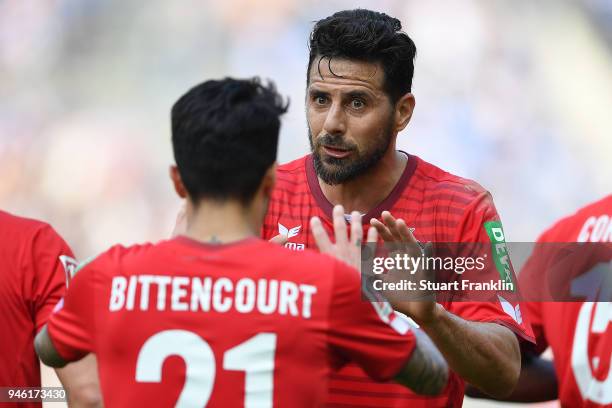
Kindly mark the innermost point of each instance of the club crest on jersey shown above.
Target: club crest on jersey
(290, 233)
(70, 265)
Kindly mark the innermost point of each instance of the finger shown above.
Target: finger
(280, 239)
(382, 229)
(356, 229)
(405, 232)
(372, 235)
(320, 236)
(340, 225)
(391, 224)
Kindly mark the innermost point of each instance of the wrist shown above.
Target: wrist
(430, 320)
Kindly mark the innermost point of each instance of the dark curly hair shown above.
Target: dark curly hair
(225, 137)
(368, 36)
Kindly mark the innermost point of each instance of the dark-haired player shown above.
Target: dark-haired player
(35, 267)
(359, 79)
(219, 317)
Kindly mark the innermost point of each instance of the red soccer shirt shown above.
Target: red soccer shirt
(579, 333)
(442, 207)
(34, 266)
(243, 324)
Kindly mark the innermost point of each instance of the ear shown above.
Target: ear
(179, 187)
(403, 111)
(269, 180)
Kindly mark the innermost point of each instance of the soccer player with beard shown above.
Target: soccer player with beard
(220, 317)
(359, 97)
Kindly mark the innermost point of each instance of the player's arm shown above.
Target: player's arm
(426, 372)
(80, 379)
(54, 265)
(378, 346)
(46, 350)
(538, 379)
(68, 334)
(486, 355)
(537, 382)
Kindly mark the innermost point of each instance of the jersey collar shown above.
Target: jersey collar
(386, 204)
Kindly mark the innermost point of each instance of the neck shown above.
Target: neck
(371, 188)
(219, 223)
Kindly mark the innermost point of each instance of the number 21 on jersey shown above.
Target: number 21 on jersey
(255, 357)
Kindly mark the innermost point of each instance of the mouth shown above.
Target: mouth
(336, 152)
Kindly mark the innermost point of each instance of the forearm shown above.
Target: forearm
(426, 372)
(486, 355)
(537, 382)
(80, 379)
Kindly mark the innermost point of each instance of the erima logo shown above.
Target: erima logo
(289, 233)
(513, 311)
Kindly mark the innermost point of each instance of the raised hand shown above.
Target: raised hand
(347, 247)
(418, 304)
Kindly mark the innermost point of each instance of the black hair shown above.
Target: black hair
(369, 36)
(225, 137)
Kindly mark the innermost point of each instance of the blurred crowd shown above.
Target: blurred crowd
(515, 95)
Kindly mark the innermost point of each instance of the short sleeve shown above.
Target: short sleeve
(51, 262)
(71, 326)
(481, 224)
(370, 334)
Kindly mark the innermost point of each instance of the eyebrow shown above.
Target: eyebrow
(359, 94)
(349, 94)
(316, 92)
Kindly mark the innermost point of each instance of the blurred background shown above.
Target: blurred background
(514, 94)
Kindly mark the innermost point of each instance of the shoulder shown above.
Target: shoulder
(118, 255)
(450, 189)
(22, 232)
(292, 175)
(292, 168)
(291, 196)
(23, 226)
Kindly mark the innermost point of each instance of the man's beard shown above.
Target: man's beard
(347, 169)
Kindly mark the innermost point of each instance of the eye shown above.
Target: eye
(320, 99)
(357, 103)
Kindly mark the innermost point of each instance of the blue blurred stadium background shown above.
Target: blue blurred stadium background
(514, 94)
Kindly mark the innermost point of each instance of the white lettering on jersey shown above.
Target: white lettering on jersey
(200, 294)
(221, 295)
(591, 388)
(596, 229)
(117, 298)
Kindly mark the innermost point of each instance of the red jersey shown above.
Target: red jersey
(244, 324)
(579, 333)
(442, 208)
(35, 264)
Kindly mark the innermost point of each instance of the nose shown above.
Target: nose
(335, 121)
